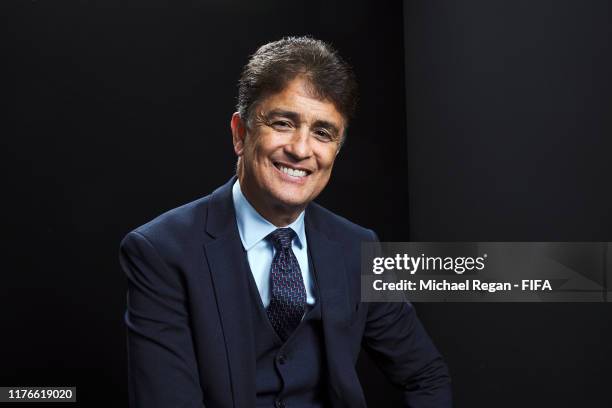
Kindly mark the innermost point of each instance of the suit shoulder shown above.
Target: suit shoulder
(337, 226)
(176, 225)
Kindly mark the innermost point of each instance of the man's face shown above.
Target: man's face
(288, 149)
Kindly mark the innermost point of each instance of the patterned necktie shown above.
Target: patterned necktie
(288, 300)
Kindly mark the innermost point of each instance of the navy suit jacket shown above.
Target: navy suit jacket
(190, 338)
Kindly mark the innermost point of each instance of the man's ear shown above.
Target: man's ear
(238, 133)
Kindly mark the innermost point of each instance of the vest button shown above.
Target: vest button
(282, 359)
(280, 404)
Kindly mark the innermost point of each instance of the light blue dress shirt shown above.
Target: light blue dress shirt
(253, 229)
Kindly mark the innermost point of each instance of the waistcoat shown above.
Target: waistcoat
(293, 373)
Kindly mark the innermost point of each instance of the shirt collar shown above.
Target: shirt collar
(253, 227)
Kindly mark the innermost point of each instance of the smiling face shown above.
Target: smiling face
(287, 151)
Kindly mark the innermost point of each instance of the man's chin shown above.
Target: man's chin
(291, 202)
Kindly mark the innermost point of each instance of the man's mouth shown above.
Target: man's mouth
(292, 171)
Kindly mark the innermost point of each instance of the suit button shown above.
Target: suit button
(282, 359)
(280, 404)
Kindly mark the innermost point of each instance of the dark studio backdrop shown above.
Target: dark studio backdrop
(479, 120)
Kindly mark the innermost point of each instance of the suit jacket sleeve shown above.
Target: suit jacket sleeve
(162, 369)
(398, 343)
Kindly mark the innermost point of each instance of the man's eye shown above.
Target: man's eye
(281, 124)
(323, 135)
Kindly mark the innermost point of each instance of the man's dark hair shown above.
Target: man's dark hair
(275, 64)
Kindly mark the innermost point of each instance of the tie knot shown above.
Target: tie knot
(282, 237)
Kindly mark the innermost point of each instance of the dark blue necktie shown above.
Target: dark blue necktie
(288, 300)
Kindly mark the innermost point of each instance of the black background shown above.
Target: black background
(479, 120)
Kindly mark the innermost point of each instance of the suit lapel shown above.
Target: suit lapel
(226, 256)
(335, 311)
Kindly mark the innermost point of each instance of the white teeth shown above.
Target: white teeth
(292, 172)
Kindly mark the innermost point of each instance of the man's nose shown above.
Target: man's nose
(299, 146)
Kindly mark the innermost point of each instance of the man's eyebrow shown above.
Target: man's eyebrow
(294, 116)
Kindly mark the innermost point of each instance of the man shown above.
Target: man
(250, 296)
